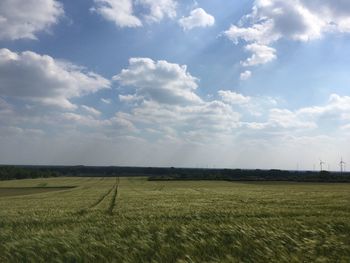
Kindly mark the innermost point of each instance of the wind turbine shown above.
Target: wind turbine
(321, 164)
(342, 165)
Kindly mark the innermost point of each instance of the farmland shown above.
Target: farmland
(131, 219)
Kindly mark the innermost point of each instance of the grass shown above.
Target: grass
(135, 220)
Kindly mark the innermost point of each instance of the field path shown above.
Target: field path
(99, 200)
(102, 197)
(114, 197)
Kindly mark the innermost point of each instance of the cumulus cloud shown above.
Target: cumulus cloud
(260, 55)
(233, 97)
(246, 75)
(332, 116)
(114, 126)
(261, 33)
(43, 79)
(20, 19)
(118, 11)
(335, 112)
(299, 20)
(164, 96)
(253, 106)
(197, 18)
(287, 119)
(121, 12)
(185, 122)
(234, 114)
(159, 104)
(159, 81)
(146, 117)
(158, 9)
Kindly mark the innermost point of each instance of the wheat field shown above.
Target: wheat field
(135, 220)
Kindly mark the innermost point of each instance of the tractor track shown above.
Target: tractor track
(102, 197)
(98, 201)
(114, 197)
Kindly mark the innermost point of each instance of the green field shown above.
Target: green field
(135, 220)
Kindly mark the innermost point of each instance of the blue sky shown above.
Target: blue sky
(251, 84)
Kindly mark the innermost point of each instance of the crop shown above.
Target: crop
(134, 220)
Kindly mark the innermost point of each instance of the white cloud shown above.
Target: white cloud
(217, 118)
(289, 120)
(336, 111)
(149, 124)
(160, 81)
(164, 97)
(129, 98)
(106, 101)
(200, 123)
(325, 119)
(158, 9)
(197, 18)
(184, 122)
(43, 79)
(79, 120)
(261, 33)
(335, 14)
(20, 19)
(291, 19)
(260, 55)
(118, 11)
(121, 12)
(233, 97)
(246, 75)
(91, 110)
(299, 20)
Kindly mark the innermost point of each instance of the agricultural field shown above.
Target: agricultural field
(135, 220)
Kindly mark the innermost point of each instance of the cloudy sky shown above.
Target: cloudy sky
(250, 84)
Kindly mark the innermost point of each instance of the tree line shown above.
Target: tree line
(170, 173)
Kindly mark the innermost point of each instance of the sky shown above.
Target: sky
(218, 84)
